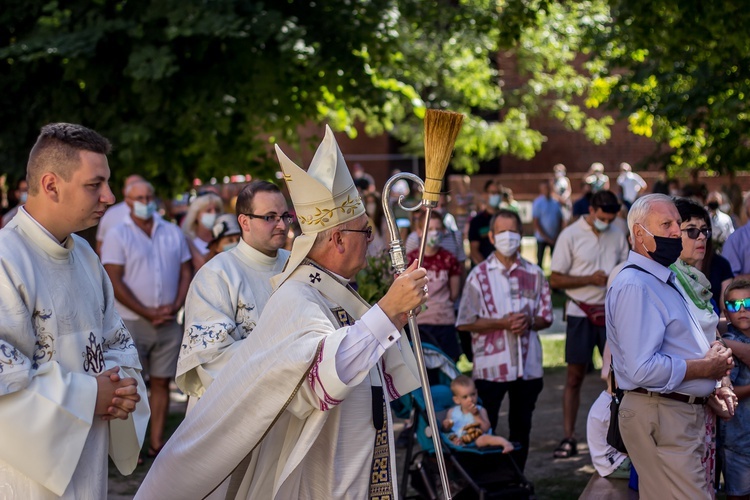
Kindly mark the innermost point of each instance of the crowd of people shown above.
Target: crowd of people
(250, 307)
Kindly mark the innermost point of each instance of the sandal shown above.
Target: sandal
(566, 449)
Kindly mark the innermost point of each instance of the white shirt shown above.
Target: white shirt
(114, 215)
(580, 252)
(631, 184)
(604, 457)
(721, 226)
(152, 264)
(200, 245)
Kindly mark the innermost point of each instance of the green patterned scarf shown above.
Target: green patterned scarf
(695, 284)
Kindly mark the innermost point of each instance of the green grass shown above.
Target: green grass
(553, 349)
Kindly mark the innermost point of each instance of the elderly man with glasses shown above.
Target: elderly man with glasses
(302, 410)
(228, 294)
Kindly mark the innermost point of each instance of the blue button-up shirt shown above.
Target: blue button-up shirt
(737, 250)
(651, 331)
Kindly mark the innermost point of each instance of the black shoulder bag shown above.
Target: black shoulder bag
(614, 438)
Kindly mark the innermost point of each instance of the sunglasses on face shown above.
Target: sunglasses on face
(694, 232)
(734, 306)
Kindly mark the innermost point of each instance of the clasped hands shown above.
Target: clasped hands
(516, 323)
(160, 315)
(723, 401)
(116, 397)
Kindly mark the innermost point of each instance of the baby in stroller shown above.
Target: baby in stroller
(468, 422)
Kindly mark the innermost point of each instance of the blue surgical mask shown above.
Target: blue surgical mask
(208, 220)
(494, 200)
(144, 211)
(23, 197)
(229, 246)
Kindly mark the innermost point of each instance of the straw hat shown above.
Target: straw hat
(323, 197)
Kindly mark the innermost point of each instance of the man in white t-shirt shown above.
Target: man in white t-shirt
(114, 214)
(585, 254)
(148, 261)
(631, 184)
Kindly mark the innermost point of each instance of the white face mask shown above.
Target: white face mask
(507, 243)
(433, 238)
(600, 225)
(144, 211)
(208, 220)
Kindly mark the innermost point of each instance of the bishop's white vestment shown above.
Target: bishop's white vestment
(278, 422)
(222, 307)
(59, 330)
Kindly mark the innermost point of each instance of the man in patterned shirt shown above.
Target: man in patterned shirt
(505, 302)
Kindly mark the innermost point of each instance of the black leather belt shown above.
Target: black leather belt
(682, 398)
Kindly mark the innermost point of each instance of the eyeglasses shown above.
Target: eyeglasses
(367, 231)
(286, 217)
(734, 306)
(693, 232)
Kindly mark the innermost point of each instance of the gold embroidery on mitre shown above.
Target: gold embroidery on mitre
(287, 177)
(324, 215)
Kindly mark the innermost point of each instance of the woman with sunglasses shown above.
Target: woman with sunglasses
(696, 289)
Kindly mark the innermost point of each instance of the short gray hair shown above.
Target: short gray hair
(130, 186)
(642, 207)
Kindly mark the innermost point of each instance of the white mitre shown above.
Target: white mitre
(323, 197)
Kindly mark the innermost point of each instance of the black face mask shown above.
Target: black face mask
(713, 205)
(667, 250)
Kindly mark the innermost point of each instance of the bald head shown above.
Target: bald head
(58, 150)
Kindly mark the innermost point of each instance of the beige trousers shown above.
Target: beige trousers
(665, 441)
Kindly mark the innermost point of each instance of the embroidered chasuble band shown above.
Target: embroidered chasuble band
(381, 486)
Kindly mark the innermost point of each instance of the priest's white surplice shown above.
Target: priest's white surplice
(222, 307)
(59, 329)
(278, 421)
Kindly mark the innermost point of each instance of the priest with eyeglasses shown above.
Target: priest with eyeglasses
(227, 295)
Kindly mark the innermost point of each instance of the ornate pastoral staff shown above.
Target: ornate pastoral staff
(440, 131)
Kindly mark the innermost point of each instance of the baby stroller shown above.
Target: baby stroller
(475, 473)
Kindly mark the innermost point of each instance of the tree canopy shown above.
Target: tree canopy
(187, 88)
(680, 70)
(199, 89)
